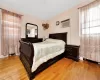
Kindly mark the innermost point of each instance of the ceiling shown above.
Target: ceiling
(43, 9)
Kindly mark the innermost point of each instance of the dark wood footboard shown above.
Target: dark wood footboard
(26, 56)
(27, 50)
(26, 64)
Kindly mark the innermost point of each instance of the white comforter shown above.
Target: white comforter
(46, 50)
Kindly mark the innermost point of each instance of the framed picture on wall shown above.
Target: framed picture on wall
(57, 23)
(65, 23)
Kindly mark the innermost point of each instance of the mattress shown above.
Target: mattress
(46, 50)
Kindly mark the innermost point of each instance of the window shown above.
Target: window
(90, 31)
(10, 32)
(90, 20)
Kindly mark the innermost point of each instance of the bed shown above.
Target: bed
(27, 54)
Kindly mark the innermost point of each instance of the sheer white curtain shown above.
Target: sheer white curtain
(90, 31)
(0, 30)
(11, 24)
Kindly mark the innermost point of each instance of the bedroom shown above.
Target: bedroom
(69, 29)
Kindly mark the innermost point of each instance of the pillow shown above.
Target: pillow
(54, 40)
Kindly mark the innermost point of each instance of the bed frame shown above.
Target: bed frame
(27, 54)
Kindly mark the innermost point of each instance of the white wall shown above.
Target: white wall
(31, 19)
(25, 19)
(73, 30)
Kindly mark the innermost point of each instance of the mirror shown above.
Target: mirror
(31, 30)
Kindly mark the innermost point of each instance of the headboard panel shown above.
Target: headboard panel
(60, 36)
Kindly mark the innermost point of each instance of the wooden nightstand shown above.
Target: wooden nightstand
(72, 51)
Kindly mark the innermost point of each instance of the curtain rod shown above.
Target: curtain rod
(13, 12)
(88, 4)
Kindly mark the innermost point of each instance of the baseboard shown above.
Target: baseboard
(1, 56)
(91, 61)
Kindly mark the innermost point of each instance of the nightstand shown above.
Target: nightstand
(72, 52)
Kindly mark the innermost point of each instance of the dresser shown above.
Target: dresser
(32, 40)
(72, 52)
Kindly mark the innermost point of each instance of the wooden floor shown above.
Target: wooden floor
(66, 69)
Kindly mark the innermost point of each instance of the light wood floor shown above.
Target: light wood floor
(65, 69)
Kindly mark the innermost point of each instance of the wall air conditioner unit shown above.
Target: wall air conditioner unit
(65, 23)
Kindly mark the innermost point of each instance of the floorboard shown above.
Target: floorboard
(11, 68)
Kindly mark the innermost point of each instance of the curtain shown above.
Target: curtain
(90, 31)
(11, 31)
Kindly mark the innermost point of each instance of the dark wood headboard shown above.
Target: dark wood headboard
(60, 36)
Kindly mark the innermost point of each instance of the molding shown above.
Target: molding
(1, 56)
(91, 60)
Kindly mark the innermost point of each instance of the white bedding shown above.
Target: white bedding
(46, 50)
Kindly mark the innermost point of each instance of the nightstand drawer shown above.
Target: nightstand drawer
(68, 49)
(70, 54)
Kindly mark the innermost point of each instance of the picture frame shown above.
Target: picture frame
(57, 23)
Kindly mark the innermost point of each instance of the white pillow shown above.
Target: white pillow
(55, 40)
